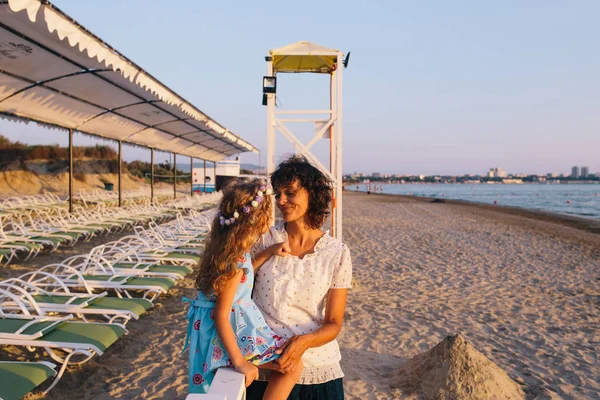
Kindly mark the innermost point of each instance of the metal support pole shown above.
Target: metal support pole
(152, 176)
(338, 160)
(332, 151)
(215, 175)
(70, 170)
(204, 176)
(270, 123)
(270, 130)
(191, 176)
(174, 175)
(120, 162)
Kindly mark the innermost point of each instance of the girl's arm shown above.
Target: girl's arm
(280, 249)
(293, 349)
(225, 330)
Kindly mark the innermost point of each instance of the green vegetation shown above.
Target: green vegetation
(142, 169)
(58, 159)
(12, 151)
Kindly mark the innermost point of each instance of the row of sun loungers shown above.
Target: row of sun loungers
(92, 197)
(22, 234)
(27, 204)
(78, 308)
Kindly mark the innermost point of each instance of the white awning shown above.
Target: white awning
(54, 71)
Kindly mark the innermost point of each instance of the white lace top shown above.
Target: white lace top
(291, 293)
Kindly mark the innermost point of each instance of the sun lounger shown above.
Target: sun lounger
(94, 264)
(58, 335)
(62, 301)
(123, 286)
(19, 378)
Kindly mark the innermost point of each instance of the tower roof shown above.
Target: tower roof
(304, 56)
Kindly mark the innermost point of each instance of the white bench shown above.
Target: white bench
(227, 385)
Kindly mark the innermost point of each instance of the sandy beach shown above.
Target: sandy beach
(522, 290)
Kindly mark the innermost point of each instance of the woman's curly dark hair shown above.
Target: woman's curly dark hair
(318, 186)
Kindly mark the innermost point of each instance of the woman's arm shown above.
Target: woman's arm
(293, 349)
(225, 330)
(280, 249)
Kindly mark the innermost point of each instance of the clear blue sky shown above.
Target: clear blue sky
(433, 87)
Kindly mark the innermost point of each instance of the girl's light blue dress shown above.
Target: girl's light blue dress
(255, 339)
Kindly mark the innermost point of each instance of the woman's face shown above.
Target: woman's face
(292, 201)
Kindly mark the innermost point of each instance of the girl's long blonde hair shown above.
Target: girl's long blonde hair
(228, 243)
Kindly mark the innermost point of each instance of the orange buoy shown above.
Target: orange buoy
(568, 201)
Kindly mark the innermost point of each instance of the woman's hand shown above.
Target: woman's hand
(291, 353)
(281, 249)
(249, 370)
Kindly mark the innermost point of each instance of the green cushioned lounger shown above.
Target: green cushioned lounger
(9, 327)
(19, 378)
(134, 283)
(106, 305)
(150, 268)
(181, 270)
(193, 257)
(136, 306)
(54, 239)
(30, 246)
(98, 335)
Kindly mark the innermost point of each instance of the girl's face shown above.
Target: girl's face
(292, 201)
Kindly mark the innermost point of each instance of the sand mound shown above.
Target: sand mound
(455, 370)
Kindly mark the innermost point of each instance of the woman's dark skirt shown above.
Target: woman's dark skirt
(332, 390)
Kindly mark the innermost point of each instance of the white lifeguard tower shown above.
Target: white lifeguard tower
(309, 57)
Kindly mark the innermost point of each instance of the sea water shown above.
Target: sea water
(573, 199)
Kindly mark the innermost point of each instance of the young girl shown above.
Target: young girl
(225, 327)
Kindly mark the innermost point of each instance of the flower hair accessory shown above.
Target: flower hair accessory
(247, 209)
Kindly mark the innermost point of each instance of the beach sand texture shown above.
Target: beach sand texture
(522, 292)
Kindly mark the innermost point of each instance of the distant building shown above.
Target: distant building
(575, 172)
(376, 175)
(585, 171)
(497, 173)
(551, 175)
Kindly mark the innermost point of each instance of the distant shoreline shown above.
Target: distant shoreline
(581, 223)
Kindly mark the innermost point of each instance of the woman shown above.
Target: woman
(302, 283)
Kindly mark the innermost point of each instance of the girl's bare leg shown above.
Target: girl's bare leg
(280, 385)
